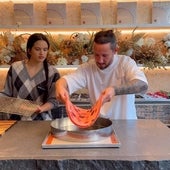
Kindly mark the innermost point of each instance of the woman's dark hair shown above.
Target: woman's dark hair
(103, 37)
(34, 38)
(30, 43)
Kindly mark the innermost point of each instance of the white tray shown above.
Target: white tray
(51, 141)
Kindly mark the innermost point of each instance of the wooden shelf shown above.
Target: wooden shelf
(74, 28)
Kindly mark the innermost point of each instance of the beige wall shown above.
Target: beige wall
(158, 79)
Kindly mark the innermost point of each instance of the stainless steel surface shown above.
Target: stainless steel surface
(64, 129)
(13, 105)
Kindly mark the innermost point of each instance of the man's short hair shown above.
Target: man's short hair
(103, 37)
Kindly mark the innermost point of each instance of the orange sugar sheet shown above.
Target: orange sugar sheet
(83, 118)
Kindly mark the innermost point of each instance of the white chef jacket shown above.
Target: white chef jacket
(123, 69)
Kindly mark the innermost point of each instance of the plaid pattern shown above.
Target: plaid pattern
(19, 84)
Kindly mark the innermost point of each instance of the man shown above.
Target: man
(116, 77)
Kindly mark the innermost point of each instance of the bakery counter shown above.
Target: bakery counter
(153, 109)
(144, 145)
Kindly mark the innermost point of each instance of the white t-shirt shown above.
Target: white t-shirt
(123, 69)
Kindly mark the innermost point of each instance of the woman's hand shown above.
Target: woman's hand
(38, 110)
(44, 107)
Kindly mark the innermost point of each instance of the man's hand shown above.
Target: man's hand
(107, 94)
(62, 95)
(62, 90)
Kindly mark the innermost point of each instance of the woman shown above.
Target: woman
(34, 79)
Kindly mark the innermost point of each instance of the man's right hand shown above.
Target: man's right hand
(61, 90)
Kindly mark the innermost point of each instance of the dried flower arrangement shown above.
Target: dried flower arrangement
(143, 50)
(69, 50)
(75, 49)
(166, 43)
(12, 47)
(63, 50)
(151, 56)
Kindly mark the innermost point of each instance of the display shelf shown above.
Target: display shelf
(79, 15)
(3, 67)
(74, 28)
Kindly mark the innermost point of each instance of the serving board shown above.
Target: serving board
(12, 105)
(53, 142)
(5, 125)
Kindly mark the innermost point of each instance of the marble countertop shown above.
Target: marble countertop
(144, 143)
